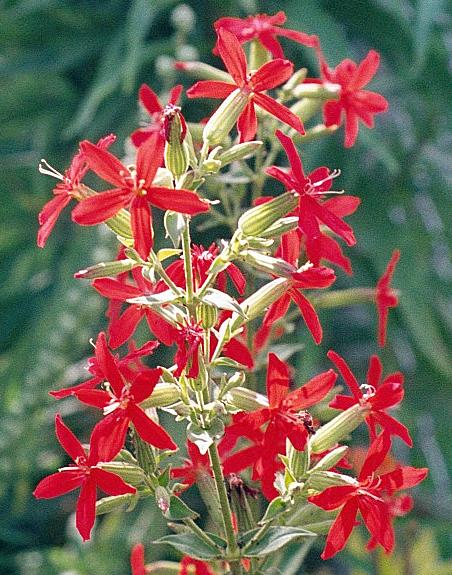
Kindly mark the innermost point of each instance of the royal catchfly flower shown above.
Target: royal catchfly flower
(386, 297)
(252, 86)
(195, 465)
(376, 396)
(264, 28)
(354, 103)
(366, 496)
(133, 188)
(67, 189)
(85, 474)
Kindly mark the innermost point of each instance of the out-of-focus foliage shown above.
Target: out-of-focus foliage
(71, 70)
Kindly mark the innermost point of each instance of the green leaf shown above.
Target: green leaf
(191, 544)
(178, 510)
(174, 226)
(167, 296)
(222, 300)
(275, 507)
(274, 539)
(204, 438)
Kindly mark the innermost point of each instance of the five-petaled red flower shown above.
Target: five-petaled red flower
(133, 188)
(121, 403)
(376, 395)
(253, 84)
(366, 495)
(310, 278)
(264, 28)
(285, 415)
(311, 210)
(65, 190)
(386, 297)
(354, 103)
(84, 474)
(159, 114)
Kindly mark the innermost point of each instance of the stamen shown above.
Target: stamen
(45, 168)
(331, 176)
(111, 407)
(368, 390)
(328, 192)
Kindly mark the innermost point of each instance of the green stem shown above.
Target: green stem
(233, 549)
(200, 533)
(162, 273)
(188, 270)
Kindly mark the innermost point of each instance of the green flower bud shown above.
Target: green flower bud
(224, 119)
(164, 394)
(176, 153)
(239, 152)
(131, 474)
(275, 266)
(331, 459)
(306, 108)
(338, 428)
(106, 269)
(208, 315)
(114, 502)
(258, 219)
(280, 227)
(321, 480)
(326, 91)
(247, 399)
(298, 461)
(259, 301)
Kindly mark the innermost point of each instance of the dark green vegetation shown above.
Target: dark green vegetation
(71, 70)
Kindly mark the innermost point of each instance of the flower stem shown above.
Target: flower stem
(200, 533)
(233, 549)
(187, 263)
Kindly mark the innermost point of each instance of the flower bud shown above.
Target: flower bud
(208, 315)
(201, 71)
(306, 108)
(321, 480)
(259, 218)
(164, 394)
(176, 153)
(106, 269)
(275, 266)
(114, 502)
(280, 227)
(224, 119)
(258, 302)
(247, 399)
(239, 152)
(331, 459)
(298, 461)
(325, 91)
(338, 428)
(211, 165)
(131, 474)
(258, 55)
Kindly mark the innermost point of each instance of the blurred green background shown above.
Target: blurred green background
(71, 70)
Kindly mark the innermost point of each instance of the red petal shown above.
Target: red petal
(346, 373)
(49, 215)
(65, 392)
(268, 40)
(107, 365)
(239, 461)
(150, 431)
(342, 206)
(115, 289)
(283, 177)
(309, 314)
(402, 478)
(67, 439)
(182, 201)
(271, 74)
(310, 40)
(149, 158)
(247, 123)
(238, 279)
(232, 55)
(143, 385)
(108, 437)
(137, 560)
(393, 427)
(342, 402)
(378, 521)
(237, 350)
(103, 206)
(85, 514)
(311, 392)
(95, 397)
(104, 164)
(387, 395)
(149, 99)
(279, 111)
(162, 330)
(210, 89)
(340, 530)
(293, 156)
(351, 127)
(141, 222)
(59, 483)
(333, 497)
(123, 327)
(332, 112)
(110, 483)
(365, 71)
(278, 380)
(337, 225)
(175, 94)
(375, 456)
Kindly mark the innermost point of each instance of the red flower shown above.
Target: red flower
(64, 191)
(122, 326)
(195, 465)
(202, 259)
(377, 396)
(159, 114)
(386, 297)
(366, 496)
(121, 403)
(285, 415)
(311, 210)
(137, 560)
(133, 188)
(188, 340)
(310, 278)
(253, 84)
(84, 474)
(265, 29)
(354, 104)
(190, 566)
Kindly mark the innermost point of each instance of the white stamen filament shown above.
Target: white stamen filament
(45, 168)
